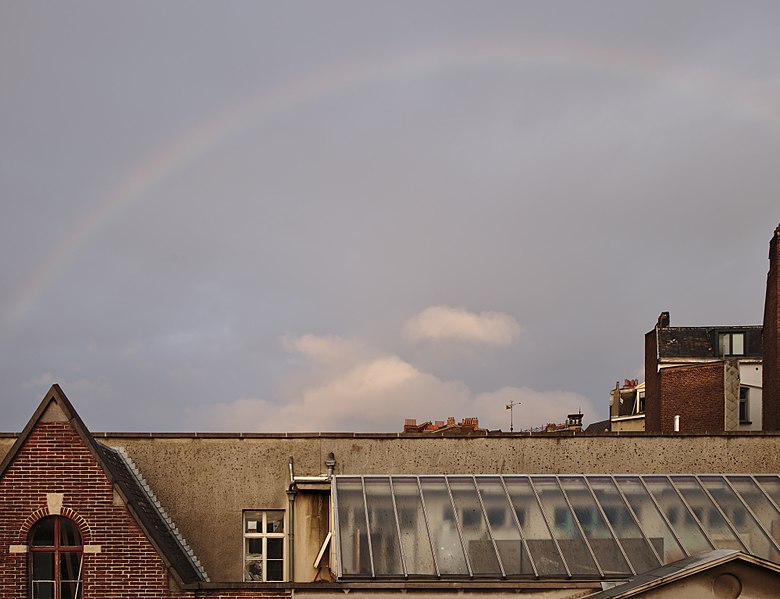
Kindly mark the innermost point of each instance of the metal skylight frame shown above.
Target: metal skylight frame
(715, 494)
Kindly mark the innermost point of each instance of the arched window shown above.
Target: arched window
(55, 559)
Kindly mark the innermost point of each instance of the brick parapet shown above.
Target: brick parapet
(696, 394)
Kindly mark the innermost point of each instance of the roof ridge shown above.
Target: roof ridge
(188, 551)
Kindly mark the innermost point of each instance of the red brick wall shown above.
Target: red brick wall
(652, 399)
(696, 393)
(55, 460)
(771, 340)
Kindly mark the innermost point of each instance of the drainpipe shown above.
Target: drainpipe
(291, 492)
(331, 464)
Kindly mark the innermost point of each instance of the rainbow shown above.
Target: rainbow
(744, 96)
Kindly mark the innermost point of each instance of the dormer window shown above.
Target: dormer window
(731, 344)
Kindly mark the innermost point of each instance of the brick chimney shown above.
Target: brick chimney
(771, 340)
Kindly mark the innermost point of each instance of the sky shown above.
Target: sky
(333, 216)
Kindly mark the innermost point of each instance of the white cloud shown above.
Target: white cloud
(448, 323)
(376, 392)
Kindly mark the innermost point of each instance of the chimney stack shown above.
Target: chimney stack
(771, 340)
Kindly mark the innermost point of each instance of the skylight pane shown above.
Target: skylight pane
(739, 516)
(594, 526)
(770, 483)
(414, 532)
(761, 506)
(503, 526)
(443, 527)
(564, 527)
(385, 545)
(631, 538)
(678, 515)
(355, 556)
(710, 518)
(476, 536)
(657, 530)
(537, 535)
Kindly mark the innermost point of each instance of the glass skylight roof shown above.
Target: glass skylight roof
(547, 526)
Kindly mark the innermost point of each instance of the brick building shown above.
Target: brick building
(226, 516)
(717, 378)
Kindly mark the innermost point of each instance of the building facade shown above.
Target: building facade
(190, 515)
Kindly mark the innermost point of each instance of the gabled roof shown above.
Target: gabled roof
(681, 569)
(155, 524)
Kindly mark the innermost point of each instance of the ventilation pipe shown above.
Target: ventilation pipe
(677, 423)
(291, 492)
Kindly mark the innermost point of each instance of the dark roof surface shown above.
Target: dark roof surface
(152, 517)
(702, 342)
(598, 427)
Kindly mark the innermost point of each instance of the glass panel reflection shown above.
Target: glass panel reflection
(503, 526)
(596, 530)
(750, 533)
(353, 536)
(443, 527)
(709, 516)
(384, 533)
(564, 527)
(69, 534)
(414, 532)
(762, 508)
(629, 534)
(653, 524)
(678, 515)
(545, 554)
(476, 537)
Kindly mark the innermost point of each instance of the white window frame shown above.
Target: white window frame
(263, 534)
(726, 343)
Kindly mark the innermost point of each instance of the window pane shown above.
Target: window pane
(738, 344)
(500, 515)
(274, 521)
(444, 531)
(479, 544)
(69, 533)
(725, 346)
(574, 549)
(762, 507)
(355, 558)
(70, 566)
(275, 570)
(274, 548)
(43, 566)
(43, 533)
(253, 521)
(43, 590)
(384, 532)
(678, 515)
(414, 533)
(70, 590)
(659, 533)
(254, 548)
(253, 570)
(712, 521)
(540, 543)
(749, 531)
(626, 529)
(596, 530)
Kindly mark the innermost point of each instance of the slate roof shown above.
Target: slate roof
(598, 427)
(702, 342)
(153, 517)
